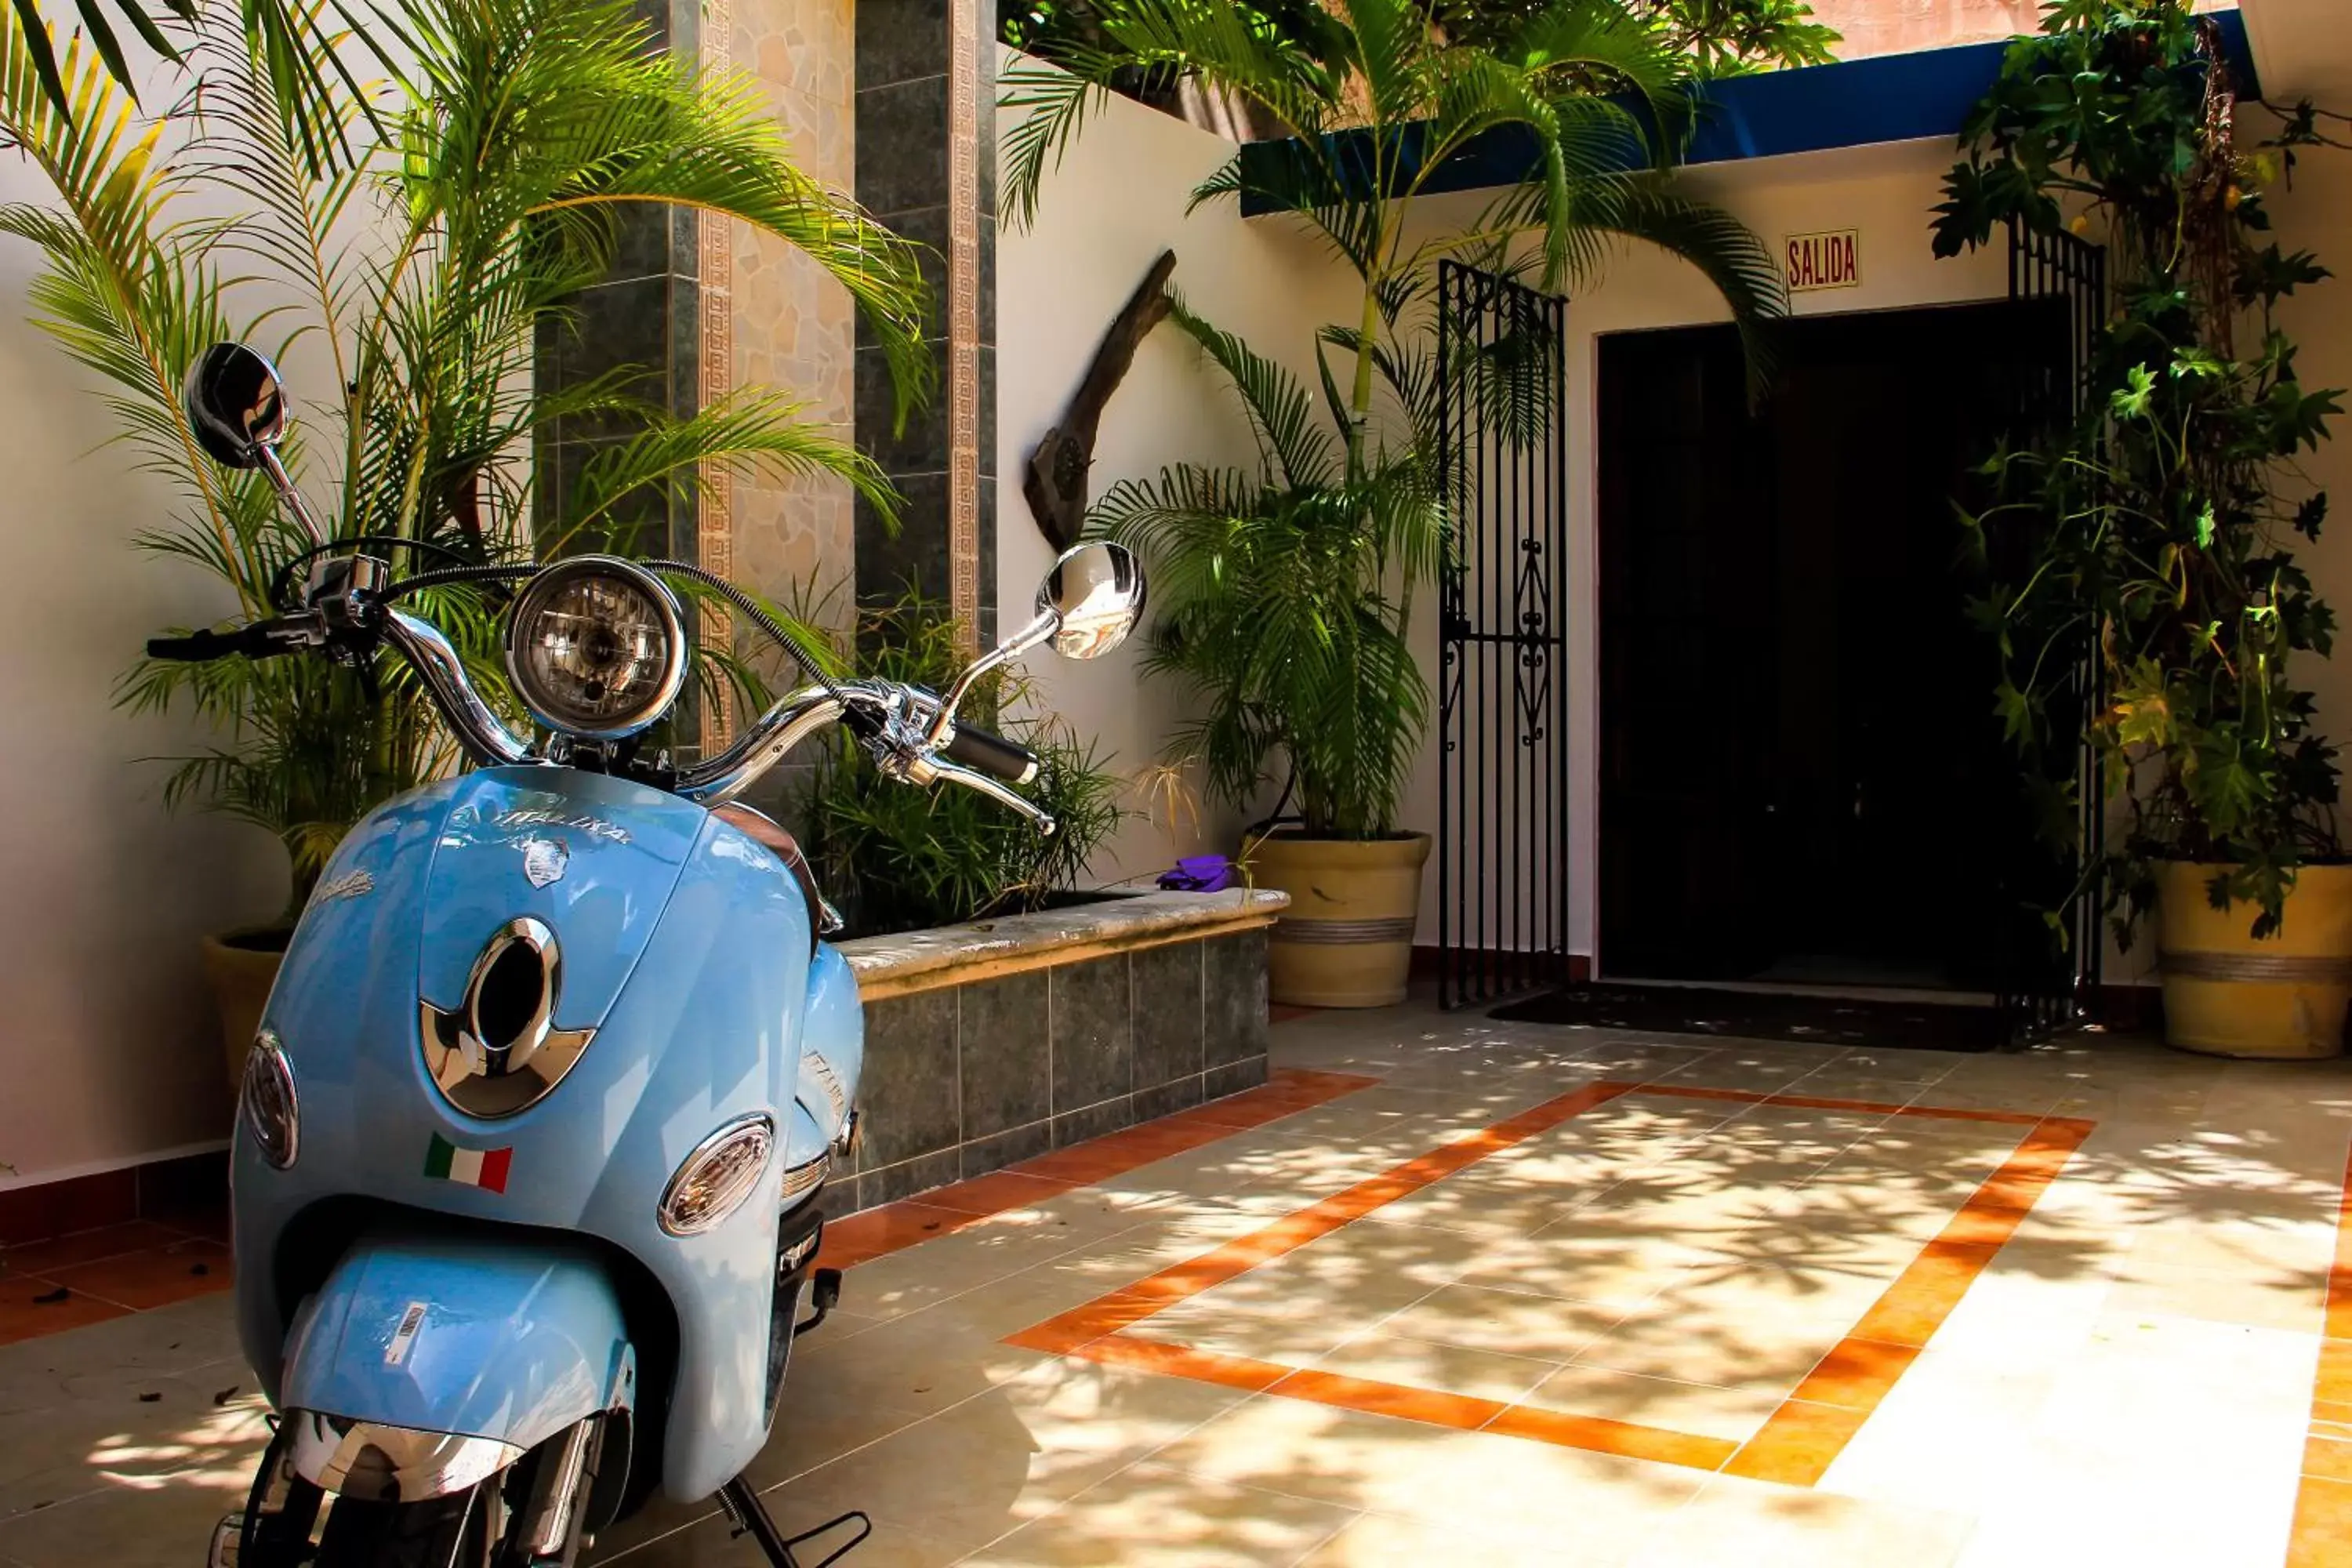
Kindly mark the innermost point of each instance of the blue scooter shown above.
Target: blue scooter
(531, 1145)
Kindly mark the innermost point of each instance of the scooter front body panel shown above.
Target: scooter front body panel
(685, 946)
(459, 1335)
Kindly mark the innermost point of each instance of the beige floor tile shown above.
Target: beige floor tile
(1729, 1349)
(1621, 1271)
(921, 1363)
(990, 1465)
(1510, 1322)
(1427, 1256)
(711, 1543)
(1525, 1491)
(948, 1266)
(166, 1490)
(1386, 1357)
(1700, 1409)
(1757, 1525)
(123, 1439)
(1284, 1338)
(2261, 1296)
(1151, 1517)
(1383, 1541)
(1319, 1281)
(1951, 1434)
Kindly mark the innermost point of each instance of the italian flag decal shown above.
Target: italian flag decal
(475, 1167)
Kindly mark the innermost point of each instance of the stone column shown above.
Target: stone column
(646, 312)
(926, 108)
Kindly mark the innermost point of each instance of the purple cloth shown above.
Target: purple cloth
(1199, 874)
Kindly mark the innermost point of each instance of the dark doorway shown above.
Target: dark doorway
(1801, 779)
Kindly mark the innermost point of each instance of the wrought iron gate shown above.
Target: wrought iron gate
(2047, 985)
(1502, 773)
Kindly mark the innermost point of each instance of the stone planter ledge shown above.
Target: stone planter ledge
(889, 966)
(990, 1043)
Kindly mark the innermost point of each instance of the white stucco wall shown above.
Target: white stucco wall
(109, 1052)
(1114, 204)
(1119, 198)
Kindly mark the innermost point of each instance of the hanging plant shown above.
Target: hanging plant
(2144, 595)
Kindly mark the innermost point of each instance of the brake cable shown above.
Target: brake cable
(760, 618)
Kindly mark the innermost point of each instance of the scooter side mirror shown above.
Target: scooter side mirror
(237, 405)
(1085, 606)
(1095, 595)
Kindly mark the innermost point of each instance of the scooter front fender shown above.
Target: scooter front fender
(456, 1338)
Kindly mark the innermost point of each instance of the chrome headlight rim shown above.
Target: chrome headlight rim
(759, 1123)
(534, 600)
(277, 1133)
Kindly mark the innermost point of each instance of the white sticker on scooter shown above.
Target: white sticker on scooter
(411, 1321)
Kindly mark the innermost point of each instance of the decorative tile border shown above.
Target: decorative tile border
(2321, 1536)
(1797, 1440)
(877, 1232)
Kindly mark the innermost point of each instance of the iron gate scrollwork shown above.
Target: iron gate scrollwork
(2046, 985)
(1502, 840)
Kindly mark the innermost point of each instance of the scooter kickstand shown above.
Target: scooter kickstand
(743, 1506)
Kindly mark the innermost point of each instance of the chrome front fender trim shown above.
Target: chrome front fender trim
(376, 1463)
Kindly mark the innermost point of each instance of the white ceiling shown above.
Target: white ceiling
(2302, 48)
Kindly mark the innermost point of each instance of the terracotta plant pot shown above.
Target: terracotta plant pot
(2226, 995)
(1346, 939)
(241, 966)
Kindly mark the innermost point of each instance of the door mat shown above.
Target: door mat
(1764, 1016)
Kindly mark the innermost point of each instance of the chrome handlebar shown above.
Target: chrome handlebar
(901, 727)
(895, 723)
(904, 728)
(482, 735)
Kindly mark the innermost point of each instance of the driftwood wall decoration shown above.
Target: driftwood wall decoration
(1055, 484)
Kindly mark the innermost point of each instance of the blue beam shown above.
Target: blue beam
(1772, 114)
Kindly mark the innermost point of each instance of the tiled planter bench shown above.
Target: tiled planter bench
(987, 1043)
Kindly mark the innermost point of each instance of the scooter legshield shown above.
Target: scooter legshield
(461, 1337)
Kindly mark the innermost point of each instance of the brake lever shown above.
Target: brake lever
(1004, 795)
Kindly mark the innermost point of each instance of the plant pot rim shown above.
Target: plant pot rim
(2336, 863)
(1300, 836)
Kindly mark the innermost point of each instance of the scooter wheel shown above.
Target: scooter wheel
(430, 1533)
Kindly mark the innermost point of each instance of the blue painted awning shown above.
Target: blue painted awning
(1816, 108)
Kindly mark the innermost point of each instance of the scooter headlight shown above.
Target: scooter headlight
(718, 1176)
(265, 1102)
(596, 648)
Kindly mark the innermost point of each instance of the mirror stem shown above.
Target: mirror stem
(266, 453)
(1012, 647)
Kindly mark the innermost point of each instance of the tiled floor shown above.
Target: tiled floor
(1464, 1293)
(51, 1286)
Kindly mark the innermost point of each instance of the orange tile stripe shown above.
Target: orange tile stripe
(1796, 1443)
(1126, 1307)
(875, 1233)
(2321, 1535)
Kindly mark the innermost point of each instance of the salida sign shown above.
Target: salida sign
(1831, 259)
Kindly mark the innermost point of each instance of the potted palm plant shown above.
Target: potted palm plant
(2152, 544)
(413, 239)
(1288, 594)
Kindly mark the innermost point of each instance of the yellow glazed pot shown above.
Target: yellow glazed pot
(240, 966)
(2226, 995)
(1346, 939)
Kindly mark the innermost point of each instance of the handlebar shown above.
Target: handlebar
(260, 639)
(909, 733)
(973, 747)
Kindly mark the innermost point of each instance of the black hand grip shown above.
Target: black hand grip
(196, 648)
(983, 753)
(253, 641)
